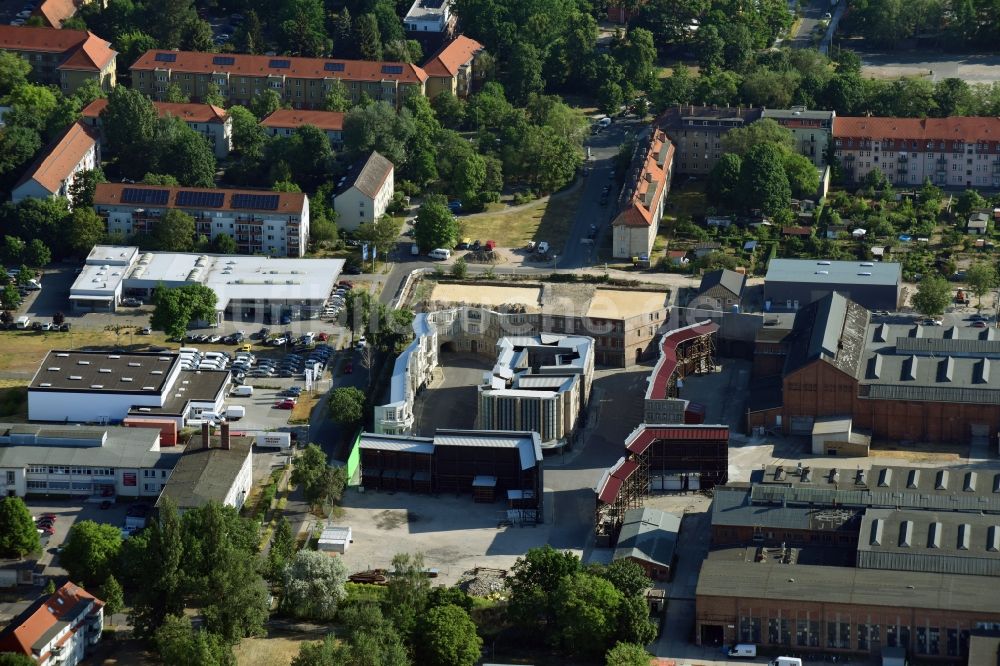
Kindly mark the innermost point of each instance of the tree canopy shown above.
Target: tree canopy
(177, 307)
(18, 535)
(933, 295)
(91, 552)
(314, 585)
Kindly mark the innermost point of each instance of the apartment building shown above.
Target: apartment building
(364, 194)
(452, 69)
(207, 120)
(65, 58)
(284, 122)
(635, 227)
(810, 129)
(697, 131)
(951, 152)
(57, 629)
(302, 82)
(52, 174)
(272, 223)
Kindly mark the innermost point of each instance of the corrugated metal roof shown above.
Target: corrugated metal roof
(813, 271)
(649, 535)
(733, 506)
(667, 364)
(640, 438)
(923, 346)
(527, 443)
(422, 445)
(943, 542)
(842, 585)
(612, 480)
(893, 498)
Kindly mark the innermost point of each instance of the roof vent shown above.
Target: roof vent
(875, 537)
(54, 368)
(913, 478)
(934, 535)
(865, 273)
(156, 372)
(822, 263)
(906, 534)
(964, 536)
(867, 263)
(105, 371)
(993, 539)
(126, 379)
(97, 386)
(83, 362)
(822, 272)
(941, 480)
(970, 482)
(75, 377)
(114, 356)
(148, 388)
(885, 477)
(134, 364)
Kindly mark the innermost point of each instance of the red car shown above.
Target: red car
(48, 515)
(287, 403)
(978, 324)
(322, 337)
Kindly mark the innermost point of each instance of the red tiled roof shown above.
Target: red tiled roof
(677, 254)
(302, 68)
(194, 113)
(49, 40)
(94, 54)
(56, 11)
(110, 194)
(636, 214)
(23, 637)
(325, 120)
(667, 365)
(450, 58)
(967, 129)
(58, 160)
(644, 435)
(795, 231)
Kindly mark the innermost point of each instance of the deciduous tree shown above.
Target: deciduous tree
(933, 295)
(176, 307)
(436, 226)
(347, 405)
(447, 637)
(627, 654)
(178, 643)
(981, 278)
(314, 585)
(90, 552)
(18, 535)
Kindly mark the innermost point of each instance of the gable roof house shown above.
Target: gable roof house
(54, 12)
(724, 286)
(208, 120)
(452, 69)
(65, 58)
(365, 192)
(635, 227)
(56, 629)
(284, 122)
(649, 538)
(53, 172)
(978, 223)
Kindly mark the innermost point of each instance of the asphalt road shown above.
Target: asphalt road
(580, 250)
(811, 17)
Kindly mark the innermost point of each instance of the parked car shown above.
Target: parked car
(978, 324)
(145, 330)
(131, 302)
(287, 403)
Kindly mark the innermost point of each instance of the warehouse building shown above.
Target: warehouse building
(100, 387)
(847, 380)
(253, 288)
(490, 465)
(853, 560)
(212, 469)
(649, 538)
(792, 284)
(83, 460)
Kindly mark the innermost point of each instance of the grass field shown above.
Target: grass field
(272, 651)
(23, 350)
(514, 227)
(303, 408)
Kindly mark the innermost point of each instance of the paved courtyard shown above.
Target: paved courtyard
(451, 401)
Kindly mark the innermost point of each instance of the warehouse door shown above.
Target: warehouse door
(980, 429)
(801, 425)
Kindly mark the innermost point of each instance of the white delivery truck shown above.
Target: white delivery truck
(274, 440)
(787, 661)
(243, 391)
(440, 253)
(743, 651)
(235, 412)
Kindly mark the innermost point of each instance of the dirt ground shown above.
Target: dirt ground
(450, 292)
(454, 533)
(275, 650)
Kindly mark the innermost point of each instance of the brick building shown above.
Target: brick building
(302, 82)
(951, 152)
(697, 131)
(853, 561)
(897, 382)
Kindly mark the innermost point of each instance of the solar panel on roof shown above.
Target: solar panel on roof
(255, 201)
(223, 60)
(392, 69)
(166, 57)
(200, 199)
(334, 66)
(280, 64)
(137, 196)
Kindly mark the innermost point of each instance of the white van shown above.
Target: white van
(543, 248)
(414, 250)
(22, 322)
(235, 412)
(787, 661)
(188, 350)
(743, 651)
(604, 122)
(440, 253)
(243, 391)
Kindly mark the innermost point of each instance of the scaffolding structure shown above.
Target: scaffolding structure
(683, 352)
(622, 487)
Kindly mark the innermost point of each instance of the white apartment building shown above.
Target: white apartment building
(364, 194)
(635, 227)
(951, 152)
(208, 120)
(57, 630)
(51, 175)
(432, 16)
(413, 368)
(261, 222)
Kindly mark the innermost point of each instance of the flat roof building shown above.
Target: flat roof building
(255, 288)
(791, 284)
(83, 460)
(261, 222)
(102, 387)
